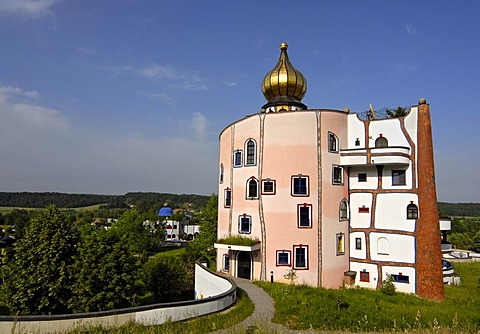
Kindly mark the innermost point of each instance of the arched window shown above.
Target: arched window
(251, 152)
(412, 211)
(221, 173)
(332, 142)
(381, 142)
(252, 188)
(343, 210)
(382, 246)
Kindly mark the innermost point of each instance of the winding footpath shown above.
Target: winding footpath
(260, 321)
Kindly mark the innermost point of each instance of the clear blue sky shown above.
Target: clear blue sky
(114, 96)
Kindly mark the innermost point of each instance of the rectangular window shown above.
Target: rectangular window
(398, 178)
(340, 243)
(301, 257)
(226, 262)
(237, 158)
(358, 243)
(401, 278)
(304, 215)
(245, 224)
(332, 142)
(300, 185)
(228, 197)
(268, 187)
(250, 153)
(363, 209)
(337, 175)
(364, 276)
(362, 177)
(283, 258)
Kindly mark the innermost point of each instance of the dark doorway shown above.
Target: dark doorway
(244, 265)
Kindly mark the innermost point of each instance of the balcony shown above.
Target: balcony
(392, 155)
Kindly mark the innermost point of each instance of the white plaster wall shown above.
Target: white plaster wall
(401, 287)
(356, 129)
(390, 129)
(208, 285)
(372, 179)
(358, 253)
(360, 220)
(391, 211)
(387, 176)
(411, 123)
(401, 248)
(369, 267)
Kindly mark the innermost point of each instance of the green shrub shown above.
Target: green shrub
(388, 287)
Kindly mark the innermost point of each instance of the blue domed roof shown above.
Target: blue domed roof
(165, 212)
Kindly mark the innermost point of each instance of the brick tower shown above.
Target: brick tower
(428, 249)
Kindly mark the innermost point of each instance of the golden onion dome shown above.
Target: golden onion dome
(284, 83)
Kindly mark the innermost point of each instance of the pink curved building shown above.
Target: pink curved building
(332, 197)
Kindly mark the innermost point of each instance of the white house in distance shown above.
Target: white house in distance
(329, 195)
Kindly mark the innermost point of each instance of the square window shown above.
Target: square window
(364, 276)
(300, 185)
(340, 243)
(283, 258)
(398, 178)
(362, 177)
(228, 197)
(358, 243)
(300, 257)
(237, 158)
(304, 215)
(337, 175)
(245, 224)
(226, 262)
(268, 187)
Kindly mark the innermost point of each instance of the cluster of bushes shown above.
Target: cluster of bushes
(60, 267)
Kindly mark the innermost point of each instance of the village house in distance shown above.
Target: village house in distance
(329, 195)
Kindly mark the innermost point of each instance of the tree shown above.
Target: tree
(398, 112)
(38, 279)
(130, 228)
(168, 278)
(202, 246)
(105, 273)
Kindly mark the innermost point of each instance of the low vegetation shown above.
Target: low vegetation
(239, 241)
(205, 324)
(303, 307)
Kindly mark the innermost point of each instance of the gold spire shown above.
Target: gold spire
(284, 83)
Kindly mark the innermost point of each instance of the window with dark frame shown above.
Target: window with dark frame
(237, 158)
(362, 177)
(226, 262)
(412, 211)
(332, 143)
(228, 197)
(364, 276)
(337, 175)
(252, 188)
(268, 186)
(399, 278)
(300, 257)
(398, 177)
(340, 244)
(250, 153)
(358, 243)
(381, 142)
(221, 173)
(304, 215)
(245, 224)
(300, 185)
(343, 210)
(283, 258)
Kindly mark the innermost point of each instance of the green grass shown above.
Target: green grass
(303, 307)
(205, 324)
(238, 240)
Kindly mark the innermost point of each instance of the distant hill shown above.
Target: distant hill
(459, 209)
(64, 200)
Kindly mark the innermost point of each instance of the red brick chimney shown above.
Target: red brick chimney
(429, 277)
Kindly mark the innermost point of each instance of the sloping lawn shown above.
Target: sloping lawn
(303, 307)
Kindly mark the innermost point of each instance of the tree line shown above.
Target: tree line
(145, 201)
